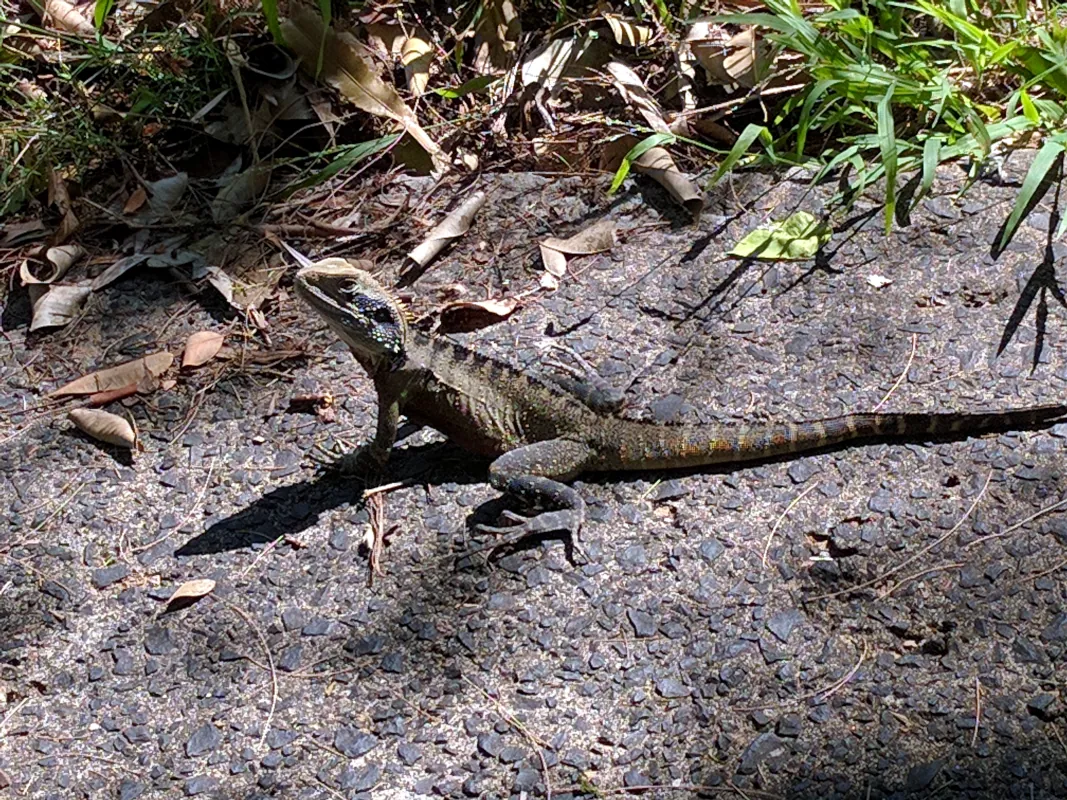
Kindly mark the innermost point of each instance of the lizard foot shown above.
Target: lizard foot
(567, 516)
(361, 462)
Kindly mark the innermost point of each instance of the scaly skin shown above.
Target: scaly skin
(540, 434)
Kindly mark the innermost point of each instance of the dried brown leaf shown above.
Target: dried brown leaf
(59, 305)
(496, 37)
(16, 233)
(201, 347)
(627, 33)
(472, 315)
(240, 193)
(66, 17)
(657, 163)
(416, 55)
(60, 198)
(597, 238)
(451, 227)
(135, 200)
(347, 66)
(634, 92)
(59, 260)
(131, 372)
(104, 426)
(744, 58)
(189, 593)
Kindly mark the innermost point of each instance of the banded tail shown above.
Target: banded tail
(646, 446)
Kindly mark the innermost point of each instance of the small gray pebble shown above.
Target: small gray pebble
(105, 576)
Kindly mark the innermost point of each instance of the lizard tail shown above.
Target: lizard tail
(663, 447)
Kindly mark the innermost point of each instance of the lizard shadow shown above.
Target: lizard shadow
(290, 509)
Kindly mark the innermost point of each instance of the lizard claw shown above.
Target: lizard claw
(567, 521)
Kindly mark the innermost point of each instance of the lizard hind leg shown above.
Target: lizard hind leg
(533, 474)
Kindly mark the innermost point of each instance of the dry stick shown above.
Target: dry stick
(778, 522)
(918, 555)
(903, 374)
(329, 788)
(977, 710)
(919, 574)
(11, 713)
(684, 787)
(833, 688)
(1043, 573)
(1059, 738)
(270, 664)
(510, 719)
(1017, 525)
(192, 510)
(376, 507)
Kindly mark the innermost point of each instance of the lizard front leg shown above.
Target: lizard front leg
(535, 474)
(377, 451)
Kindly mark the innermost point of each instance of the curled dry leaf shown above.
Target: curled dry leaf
(451, 227)
(66, 17)
(104, 426)
(657, 163)
(201, 347)
(347, 66)
(744, 58)
(416, 55)
(60, 198)
(129, 373)
(189, 593)
(634, 92)
(597, 238)
(59, 305)
(59, 259)
(472, 315)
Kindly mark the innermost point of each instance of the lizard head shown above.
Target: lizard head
(363, 314)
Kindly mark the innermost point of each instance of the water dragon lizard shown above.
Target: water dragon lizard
(540, 434)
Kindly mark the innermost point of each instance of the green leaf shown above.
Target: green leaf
(473, 85)
(795, 238)
(744, 141)
(270, 11)
(349, 157)
(1029, 109)
(1047, 157)
(931, 155)
(100, 12)
(887, 144)
(638, 150)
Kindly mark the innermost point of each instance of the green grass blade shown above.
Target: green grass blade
(349, 157)
(473, 85)
(100, 12)
(744, 141)
(270, 11)
(638, 150)
(887, 145)
(1046, 159)
(931, 158)
(1029, 109)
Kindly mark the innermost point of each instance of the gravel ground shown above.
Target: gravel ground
(877, 621)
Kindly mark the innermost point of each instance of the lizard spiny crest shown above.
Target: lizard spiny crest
(358, 308)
